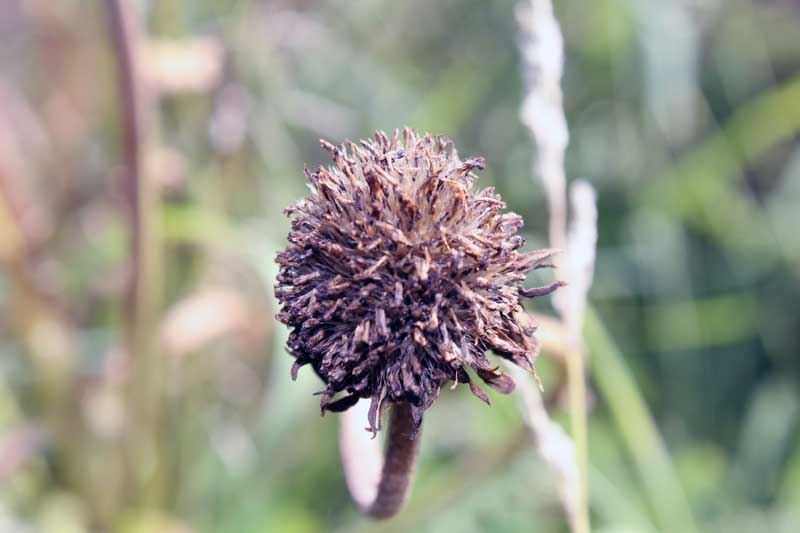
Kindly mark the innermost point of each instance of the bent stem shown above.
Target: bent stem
(378, 485)
(145, 283)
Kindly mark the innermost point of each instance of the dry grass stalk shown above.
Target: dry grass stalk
(543, 114)
(542, 111)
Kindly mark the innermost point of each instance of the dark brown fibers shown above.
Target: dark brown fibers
(400, 275)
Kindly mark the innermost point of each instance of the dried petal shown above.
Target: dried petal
(500, 382)
(477, 391)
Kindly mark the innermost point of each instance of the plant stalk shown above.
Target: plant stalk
(379, 485)
(144, 287)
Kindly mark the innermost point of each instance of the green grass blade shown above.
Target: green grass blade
(638, 429)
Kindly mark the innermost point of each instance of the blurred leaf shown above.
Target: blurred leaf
(697, 323)
(702, 469)
(447, 104)
(700, 181)
(185, 65)
(62, 513)
(789, 493)
(766, 435)
(197, 225)
(638, 429)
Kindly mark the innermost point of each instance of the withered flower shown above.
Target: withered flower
(400, 275)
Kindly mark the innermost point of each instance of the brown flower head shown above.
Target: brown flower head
(399, 275)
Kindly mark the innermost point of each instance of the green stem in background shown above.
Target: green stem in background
(576, 379)
(638, 429)
(144, 290)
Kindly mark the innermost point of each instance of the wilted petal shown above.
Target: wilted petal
(500, 382)
(342, 404)
(477, 391)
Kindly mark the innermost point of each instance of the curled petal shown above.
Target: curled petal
(342, 404)
(541, 291)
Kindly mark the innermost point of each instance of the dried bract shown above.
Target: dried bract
(399, 275)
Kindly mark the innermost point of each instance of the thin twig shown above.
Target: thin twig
(378, 486)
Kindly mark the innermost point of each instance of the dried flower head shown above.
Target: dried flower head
(399, 275)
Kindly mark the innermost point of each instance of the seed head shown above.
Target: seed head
(399, 275)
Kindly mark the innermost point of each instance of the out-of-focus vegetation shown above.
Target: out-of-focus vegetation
(683, 114)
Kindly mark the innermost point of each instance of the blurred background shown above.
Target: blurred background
(144, 385)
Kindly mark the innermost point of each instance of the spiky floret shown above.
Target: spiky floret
(399, 275)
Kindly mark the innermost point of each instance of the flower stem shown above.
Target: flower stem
(379, 485)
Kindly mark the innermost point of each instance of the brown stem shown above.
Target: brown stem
(379, 485)
(125, 34)
(144, 289)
